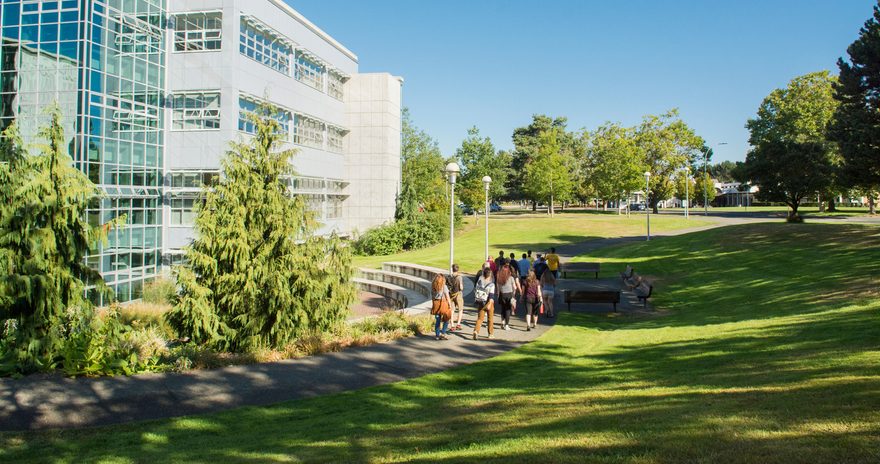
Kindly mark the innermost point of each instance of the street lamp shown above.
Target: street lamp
(452, 171)
(486, 181)
(705, 180)
(687, 186)
(648, 203)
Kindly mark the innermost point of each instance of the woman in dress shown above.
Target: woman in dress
(548, 291)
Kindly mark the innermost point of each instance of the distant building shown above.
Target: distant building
(734, 194)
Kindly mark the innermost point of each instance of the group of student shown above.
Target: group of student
(504, 283)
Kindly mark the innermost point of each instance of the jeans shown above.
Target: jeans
(437, 320)
(505, 301)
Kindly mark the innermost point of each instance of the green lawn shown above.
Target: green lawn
(520, 231)
(767, 352)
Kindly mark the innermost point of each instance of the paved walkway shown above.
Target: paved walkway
(45, 402)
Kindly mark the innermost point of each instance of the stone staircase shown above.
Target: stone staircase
(407, 284)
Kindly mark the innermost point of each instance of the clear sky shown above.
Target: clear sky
(494, 63)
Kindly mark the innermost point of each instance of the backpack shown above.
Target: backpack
(453, 283)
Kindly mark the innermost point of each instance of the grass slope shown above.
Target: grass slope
(765, 350)
(521, 231)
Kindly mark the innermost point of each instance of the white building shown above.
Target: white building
(227, 56)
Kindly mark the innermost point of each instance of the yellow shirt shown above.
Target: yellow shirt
(552, 261)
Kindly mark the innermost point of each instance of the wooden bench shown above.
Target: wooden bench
(580, 267)
(591, 296)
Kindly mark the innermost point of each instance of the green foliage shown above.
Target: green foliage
(257, 276)
(667, 144)
(527, 143)
(419, 231)
(548, 175)
(615, 167)
(791, 158)
(44, 238)
(856, 125)
(478, 158)
(423, 185)
(703, 188)
(160, 291)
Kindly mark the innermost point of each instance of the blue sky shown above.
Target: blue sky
(494, 63)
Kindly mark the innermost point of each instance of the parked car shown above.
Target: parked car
(494, 208)
(465, 209)
(637, 207)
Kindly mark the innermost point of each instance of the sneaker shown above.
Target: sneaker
(490, 336)
(506, 327)
(528, 328)
(437, 337)
(475, 335)
(444, 337)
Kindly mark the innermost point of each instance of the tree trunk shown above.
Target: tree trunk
(534, 205)
(832, 204)
(654, 207)
(872, 207)
(821, 203)
(793, 212)
(550, 208)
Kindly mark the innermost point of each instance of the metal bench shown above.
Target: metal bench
(591, 296)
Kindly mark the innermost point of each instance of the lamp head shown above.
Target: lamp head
(452, 171)
(647, 175)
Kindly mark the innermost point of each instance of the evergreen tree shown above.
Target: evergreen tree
(44, 237)
(856, 125)
(257, 276)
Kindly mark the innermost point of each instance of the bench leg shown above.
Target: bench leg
(615, 307)
(569, 307)
(597, 275)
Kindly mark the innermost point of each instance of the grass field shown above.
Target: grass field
(767, 352)
(520, 231)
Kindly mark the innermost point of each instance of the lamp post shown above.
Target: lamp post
(452, 171)
(705, 180)
(648, 204)
(486, 181)
(687, 186)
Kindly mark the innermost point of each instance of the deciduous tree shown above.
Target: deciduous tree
(791, 157)
(615, 167)
(478, 158)
(548, 174)
(422, 182)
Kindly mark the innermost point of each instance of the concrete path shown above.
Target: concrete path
(46, 402)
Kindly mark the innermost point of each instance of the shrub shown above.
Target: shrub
(160, 291)
(418, 231)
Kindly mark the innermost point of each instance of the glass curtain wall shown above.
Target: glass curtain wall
(103, 62)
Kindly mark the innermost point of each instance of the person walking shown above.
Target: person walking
(553, 262)
(514, 274)
(505, 289)
(491, 263)
(484, 300)
(456, 296)
(533, 297)
(548, 292)
(540, 266)
(499, 261)
(531, 258)
(524, 266)
(440, 307)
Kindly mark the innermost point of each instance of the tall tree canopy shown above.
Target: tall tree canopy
(856, 126)
(527, 143)
(548, 175)
(667, 144)
(615, 167)
(257, 275)
(478, 158)
(791, 157)
(422, 181)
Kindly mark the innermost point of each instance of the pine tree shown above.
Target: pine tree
(257, 276)
(44, 237)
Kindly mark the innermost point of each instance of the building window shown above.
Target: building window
(193, 179)
(248, 107)
(198, 31)
(263, 46)
(183, 211)
(334, 207)
(334, 139)
(196, 111)
(334, 85)
(309, 71)
(308, 132)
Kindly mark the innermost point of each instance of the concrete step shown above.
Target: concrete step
(404, 280)
(408, 301)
